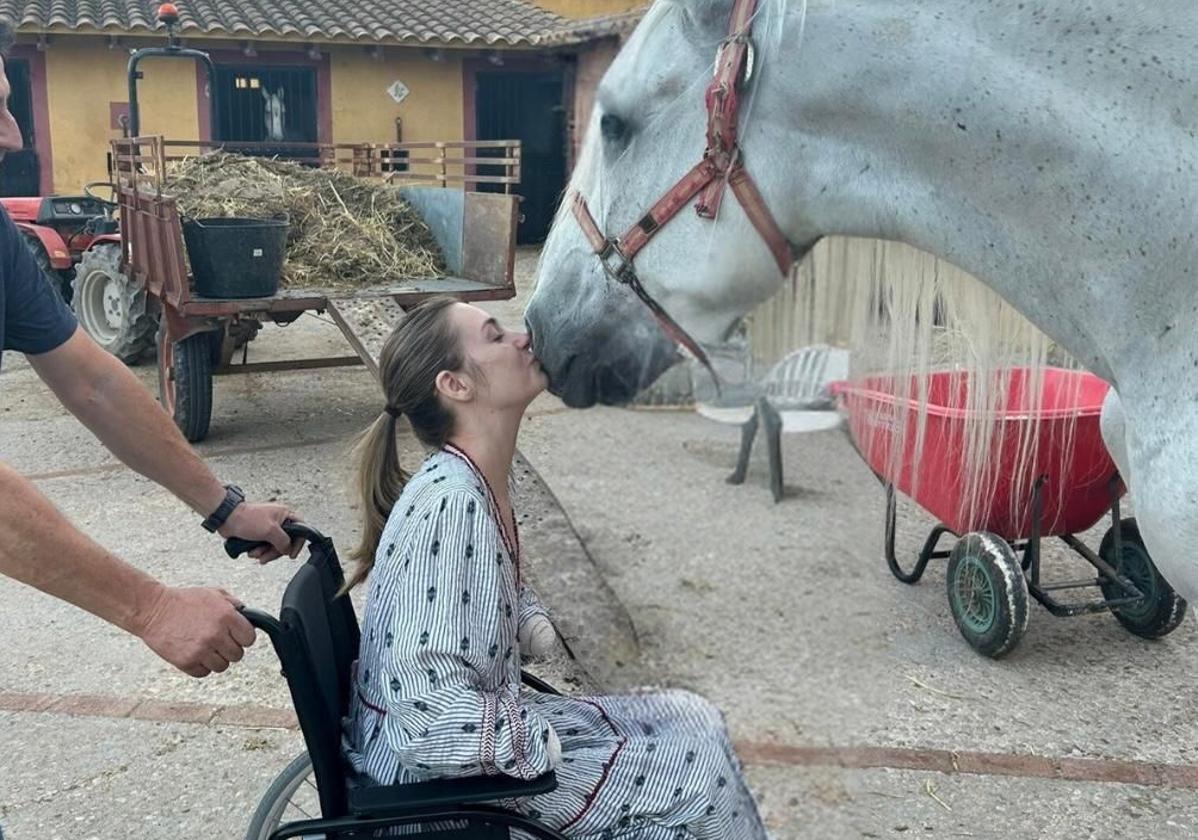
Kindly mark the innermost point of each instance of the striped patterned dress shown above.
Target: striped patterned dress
(439, 692)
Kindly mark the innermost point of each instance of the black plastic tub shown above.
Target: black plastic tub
(235, 257)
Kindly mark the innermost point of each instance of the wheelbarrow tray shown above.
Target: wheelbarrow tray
(1073, 463)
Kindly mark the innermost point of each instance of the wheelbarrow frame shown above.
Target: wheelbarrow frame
(1030, 549)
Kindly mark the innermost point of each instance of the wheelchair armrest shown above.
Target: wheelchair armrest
(382, 800)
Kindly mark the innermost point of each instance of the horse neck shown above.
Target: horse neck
(1022, 147)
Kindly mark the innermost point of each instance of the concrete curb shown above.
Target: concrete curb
(597, 628)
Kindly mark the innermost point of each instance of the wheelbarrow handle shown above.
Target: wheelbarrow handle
(236, 546)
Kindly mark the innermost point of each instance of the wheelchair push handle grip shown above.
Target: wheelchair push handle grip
(236, 546)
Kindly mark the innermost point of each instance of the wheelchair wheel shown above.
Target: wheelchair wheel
(291, 796)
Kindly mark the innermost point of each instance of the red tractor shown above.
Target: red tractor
(76, 242)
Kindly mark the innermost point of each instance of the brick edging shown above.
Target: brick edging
(752, 753)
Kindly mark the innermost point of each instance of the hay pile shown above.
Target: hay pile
(346, 233)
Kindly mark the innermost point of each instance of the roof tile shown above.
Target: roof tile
(509, 22)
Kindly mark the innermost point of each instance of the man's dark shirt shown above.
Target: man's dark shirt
(33, 318)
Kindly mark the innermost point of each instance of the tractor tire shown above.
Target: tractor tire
(185, 382)
(58, 282)
(111, 307)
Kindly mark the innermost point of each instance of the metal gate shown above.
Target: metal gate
(265, 105)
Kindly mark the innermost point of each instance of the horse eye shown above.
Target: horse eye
(613, 128)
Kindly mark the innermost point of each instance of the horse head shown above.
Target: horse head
(595, 339)
(276, 112)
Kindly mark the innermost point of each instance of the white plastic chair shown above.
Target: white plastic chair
(792, 397)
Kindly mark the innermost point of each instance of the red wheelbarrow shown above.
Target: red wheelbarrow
(1071, 483)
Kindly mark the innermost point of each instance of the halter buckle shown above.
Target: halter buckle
(616, 266)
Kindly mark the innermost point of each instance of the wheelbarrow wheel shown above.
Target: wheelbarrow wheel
(185, 382)
(1161, 610)
(987, 593)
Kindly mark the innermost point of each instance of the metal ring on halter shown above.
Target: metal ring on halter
(615, 265)
(750, 57)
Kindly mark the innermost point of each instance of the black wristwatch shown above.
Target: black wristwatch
(233, 497)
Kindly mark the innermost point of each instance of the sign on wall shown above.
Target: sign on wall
(398, 91)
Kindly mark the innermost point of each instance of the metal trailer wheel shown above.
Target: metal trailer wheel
(185, 382)
(113, 309)
(1161, 611)
(987, 593)
(291, 796)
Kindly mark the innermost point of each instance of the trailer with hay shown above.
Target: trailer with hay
(217, 244)
(467, 249)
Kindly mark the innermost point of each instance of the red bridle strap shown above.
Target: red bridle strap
(720, 168)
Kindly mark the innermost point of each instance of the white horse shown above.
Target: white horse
(276, 113)
(1049, 148)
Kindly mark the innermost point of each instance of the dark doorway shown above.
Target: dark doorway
(20, 173)
(527, 107)
(265, 104)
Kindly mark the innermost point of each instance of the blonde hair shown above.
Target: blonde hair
(418, 349)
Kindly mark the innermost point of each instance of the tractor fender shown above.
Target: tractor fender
(56, 247)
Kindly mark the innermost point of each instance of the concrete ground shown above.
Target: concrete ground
(857, 707)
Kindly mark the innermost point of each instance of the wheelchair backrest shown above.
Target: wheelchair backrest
(318, 645)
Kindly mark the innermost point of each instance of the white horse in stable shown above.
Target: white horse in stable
(1050, 149)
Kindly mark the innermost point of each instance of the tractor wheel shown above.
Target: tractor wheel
(987, 593)
(112, 308)
(185, 382)
(1161, 610)
(60, 284)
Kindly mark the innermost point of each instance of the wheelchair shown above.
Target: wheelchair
(319, 796)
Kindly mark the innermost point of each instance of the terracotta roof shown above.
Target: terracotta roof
(594, 29)
(497, 22)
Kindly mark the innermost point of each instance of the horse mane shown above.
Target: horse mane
(906, 315)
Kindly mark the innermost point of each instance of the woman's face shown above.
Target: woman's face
(511, 375)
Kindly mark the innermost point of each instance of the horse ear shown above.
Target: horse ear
(280, 94)
(265, 95)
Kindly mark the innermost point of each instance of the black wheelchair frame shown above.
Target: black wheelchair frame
(316, 638)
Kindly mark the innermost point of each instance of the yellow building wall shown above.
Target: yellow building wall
(582, 9)
(82, 78)
(363, 111)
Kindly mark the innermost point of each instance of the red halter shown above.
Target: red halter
(721, 166)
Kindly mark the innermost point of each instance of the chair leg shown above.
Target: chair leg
(773, 438)
(747, 432)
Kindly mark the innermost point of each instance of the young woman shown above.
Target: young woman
(448, 613)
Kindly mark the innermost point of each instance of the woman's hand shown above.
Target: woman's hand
(537, 636)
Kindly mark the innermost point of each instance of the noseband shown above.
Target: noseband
(722, 166)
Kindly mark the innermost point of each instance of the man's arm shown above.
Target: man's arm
(108, 399)
(196, 630)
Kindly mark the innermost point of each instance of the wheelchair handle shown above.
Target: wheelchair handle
(261, 621)
(236, 546)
